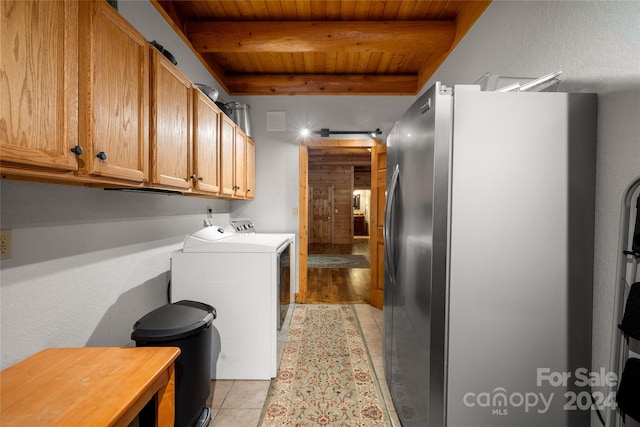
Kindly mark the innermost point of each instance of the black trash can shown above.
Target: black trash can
(187, 325)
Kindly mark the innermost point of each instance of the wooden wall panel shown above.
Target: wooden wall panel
(341, 177)
(362, 180)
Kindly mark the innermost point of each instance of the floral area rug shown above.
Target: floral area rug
(325, 377)
(337, 261)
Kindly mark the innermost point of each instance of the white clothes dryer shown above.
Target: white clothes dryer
(240, 274)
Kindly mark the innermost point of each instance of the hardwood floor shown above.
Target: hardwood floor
(339, 285)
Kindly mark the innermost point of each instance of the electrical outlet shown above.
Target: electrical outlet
(5, 244)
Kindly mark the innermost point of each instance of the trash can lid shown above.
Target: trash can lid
(173, 321)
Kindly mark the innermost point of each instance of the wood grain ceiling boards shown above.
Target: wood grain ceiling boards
(312, 47)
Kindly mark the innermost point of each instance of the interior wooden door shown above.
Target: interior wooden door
(378, 188)
(321, 230)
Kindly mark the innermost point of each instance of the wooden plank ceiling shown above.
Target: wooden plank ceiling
(317, 47)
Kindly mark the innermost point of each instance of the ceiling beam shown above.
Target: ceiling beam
(321, 36)
(322, 84)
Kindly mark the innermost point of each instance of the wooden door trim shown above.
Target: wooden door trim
(303, 224)
(303, 201)
(378, 178)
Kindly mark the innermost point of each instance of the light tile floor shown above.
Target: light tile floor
(239, 403)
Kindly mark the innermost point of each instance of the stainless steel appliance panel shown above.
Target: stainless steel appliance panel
(414, 286)
(508, 254)
(519, 308)
(489, 257)
(387, 327)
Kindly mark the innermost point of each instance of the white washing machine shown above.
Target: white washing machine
(241, 273)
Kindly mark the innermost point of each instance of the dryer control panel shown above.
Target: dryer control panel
(243, 226)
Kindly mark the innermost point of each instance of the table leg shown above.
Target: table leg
(165, 401)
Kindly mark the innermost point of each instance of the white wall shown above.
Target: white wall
(88, 263)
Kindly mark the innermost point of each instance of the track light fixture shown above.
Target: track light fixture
(325, 133)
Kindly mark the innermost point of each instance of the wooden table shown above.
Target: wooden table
(88, 386)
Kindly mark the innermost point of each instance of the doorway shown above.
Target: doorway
(327, 210)
(361, 213)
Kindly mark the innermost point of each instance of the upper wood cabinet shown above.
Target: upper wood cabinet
(233, 159)
(251, 168)
(206, 143)
(39, 84)
(237, 161)
(114, 95)
(170, 125)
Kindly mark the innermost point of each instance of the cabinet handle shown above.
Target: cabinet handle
(193, 177)
(77, 150)
(102, 155)
(201, 178)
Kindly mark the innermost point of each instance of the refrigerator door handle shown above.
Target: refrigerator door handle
(389, 249)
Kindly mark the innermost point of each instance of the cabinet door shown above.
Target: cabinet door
(251, 168)
(240, 157)
(114, 94)
(38, 83)
(170, 125)
(227, 138)
(206, 143)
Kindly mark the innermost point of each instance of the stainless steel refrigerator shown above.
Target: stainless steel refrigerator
(489, 226)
